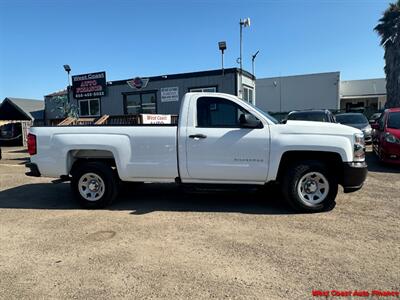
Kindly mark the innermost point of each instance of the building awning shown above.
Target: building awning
(362, 96)
(3, 122)
(367, 87)
(21, 109)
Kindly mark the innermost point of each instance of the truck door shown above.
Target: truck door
(219, 148)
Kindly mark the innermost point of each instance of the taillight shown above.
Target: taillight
(31, 144)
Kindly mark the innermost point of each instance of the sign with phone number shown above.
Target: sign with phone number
(90, 85)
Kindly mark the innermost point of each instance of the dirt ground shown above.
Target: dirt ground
(156, 242)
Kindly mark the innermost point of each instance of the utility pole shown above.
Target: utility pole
(242, 23)
(253, 58)
(67, 68)
(222, 47)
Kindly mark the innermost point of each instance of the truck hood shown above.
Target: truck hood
(311, 127)
(358, 125)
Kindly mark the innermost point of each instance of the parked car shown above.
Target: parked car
(11, 134)
(374, 118)
(312, 115)
(356, 120)
(219, 139)
(386, 137)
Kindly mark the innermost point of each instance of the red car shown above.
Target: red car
(386, 136)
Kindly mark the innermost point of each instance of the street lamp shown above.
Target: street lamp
(67, 68)
(253, 58)
(222, 48)
(242, 23)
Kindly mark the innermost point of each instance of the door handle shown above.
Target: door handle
(197, 136)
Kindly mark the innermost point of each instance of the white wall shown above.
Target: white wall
(284, 94)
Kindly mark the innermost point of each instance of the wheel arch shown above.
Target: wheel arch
(333, 160)
(78, 157)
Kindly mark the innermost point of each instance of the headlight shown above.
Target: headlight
(390, 138)
(367, 129)
(359, 147)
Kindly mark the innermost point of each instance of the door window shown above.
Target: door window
(381, 122)
(218, 112)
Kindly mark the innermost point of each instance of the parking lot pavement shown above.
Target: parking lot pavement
(157, 242)
(14, 156)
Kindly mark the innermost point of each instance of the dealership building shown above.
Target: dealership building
(311, 91)
(320, 91)
(94, 96)
(366, 93)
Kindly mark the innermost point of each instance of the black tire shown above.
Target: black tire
(291, 181)
(109, 178)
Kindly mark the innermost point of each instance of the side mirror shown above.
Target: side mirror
(249, 121)
(283, 121)
(375, 126)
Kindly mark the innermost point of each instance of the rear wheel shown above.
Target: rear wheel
(94, 184)
(309, 186)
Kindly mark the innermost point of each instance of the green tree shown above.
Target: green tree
(389, 32)
(66, 108)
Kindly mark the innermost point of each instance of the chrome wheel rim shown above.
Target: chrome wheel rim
(91, 187)
(313, 188)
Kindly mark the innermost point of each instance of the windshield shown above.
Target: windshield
(351, 119)
(267, 115)
(375, 116)
(394, 120)
(309, 116)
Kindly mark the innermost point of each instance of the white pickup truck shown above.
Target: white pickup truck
(219, 139)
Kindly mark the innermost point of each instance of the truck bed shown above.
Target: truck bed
(141, 152)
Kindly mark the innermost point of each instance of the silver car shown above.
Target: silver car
(359, 121)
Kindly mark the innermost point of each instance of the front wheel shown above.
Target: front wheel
(94, 184)
(309, 186)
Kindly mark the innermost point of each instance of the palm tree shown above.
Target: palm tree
(389, 32)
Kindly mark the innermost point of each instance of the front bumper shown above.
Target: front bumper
(34, 170)
(354, 175)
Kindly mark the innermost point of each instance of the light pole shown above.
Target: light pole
(67, 68)
(222, 48)
(242, 23)
(253, 58)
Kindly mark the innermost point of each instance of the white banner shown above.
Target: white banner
(170, 94)
(156, 119)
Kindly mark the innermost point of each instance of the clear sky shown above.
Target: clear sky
(145, 38)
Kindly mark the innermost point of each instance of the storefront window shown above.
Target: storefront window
(149, 103)
(139, 103)
(89, 107)
(133, 104)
